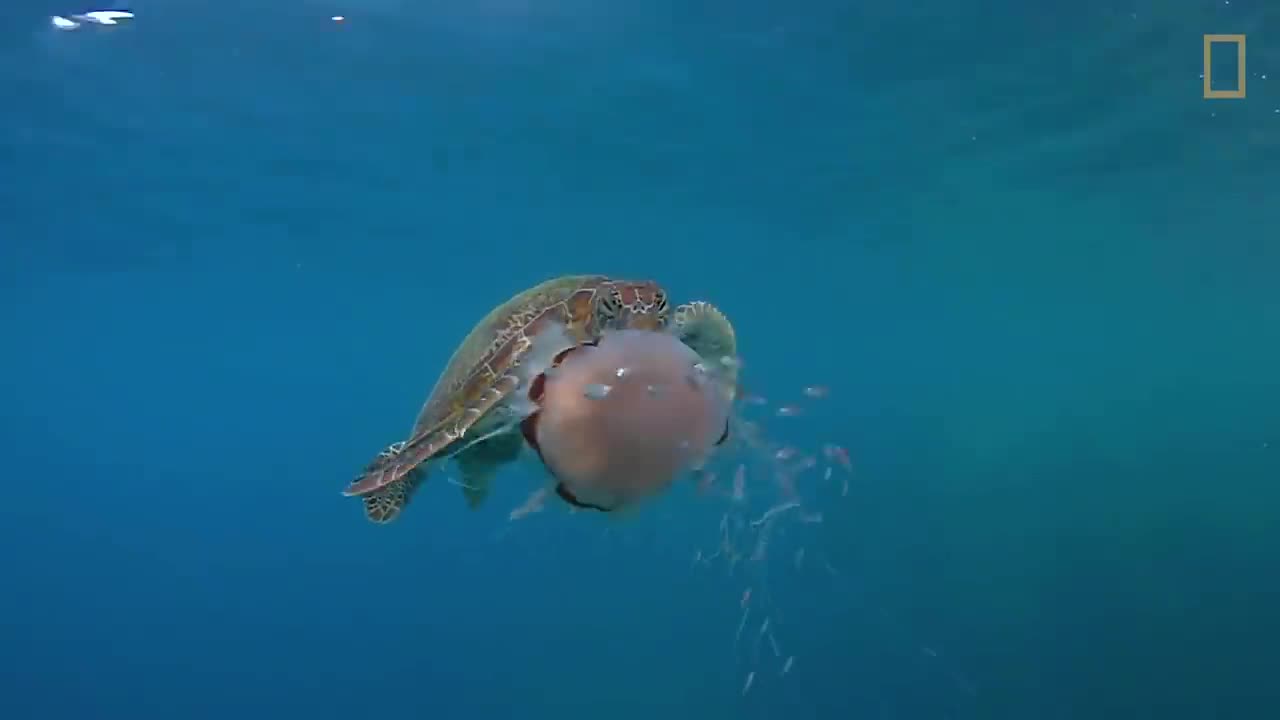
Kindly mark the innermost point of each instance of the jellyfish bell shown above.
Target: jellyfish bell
(619, 420)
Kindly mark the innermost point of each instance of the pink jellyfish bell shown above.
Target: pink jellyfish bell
(619, 420)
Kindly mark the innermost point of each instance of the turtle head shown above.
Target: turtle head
(635, 305)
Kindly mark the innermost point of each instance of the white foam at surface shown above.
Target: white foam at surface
(101, 17)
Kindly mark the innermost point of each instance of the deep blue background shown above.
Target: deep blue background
(1038, 270)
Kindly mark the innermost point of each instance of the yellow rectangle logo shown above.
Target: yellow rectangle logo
(1209, 92)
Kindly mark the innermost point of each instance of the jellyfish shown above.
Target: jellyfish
(618, 421)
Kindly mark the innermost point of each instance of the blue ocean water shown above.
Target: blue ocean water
(1036, 268)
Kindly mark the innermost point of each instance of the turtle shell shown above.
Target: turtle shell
(483, 373)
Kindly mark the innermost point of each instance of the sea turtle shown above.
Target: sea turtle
(473, 407)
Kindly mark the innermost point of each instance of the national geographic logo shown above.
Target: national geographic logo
(1209, 92)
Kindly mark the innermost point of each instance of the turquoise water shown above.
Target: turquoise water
(1037, 269)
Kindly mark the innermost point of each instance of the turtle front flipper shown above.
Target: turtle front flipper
(386, 504)
(400, 459)
(388, 483)
(706, 330)
(479, 463)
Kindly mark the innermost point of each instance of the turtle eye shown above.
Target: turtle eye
(611, 305)
(660, 302)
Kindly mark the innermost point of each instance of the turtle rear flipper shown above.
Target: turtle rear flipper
(479, 463)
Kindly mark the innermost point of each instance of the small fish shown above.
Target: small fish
(754, 400)
(786, 484)
(826, 474)
(731, 362)
(789, 411)
(533, 504)
(779, 508)
(706, 479)
(816, 392)
(597, 391)
(806, 463)
(751, 676)
(622, 371)
(653, 390)
(839, 455)
(746, 597)
(786, 666)
(785, 453)
(739, 482)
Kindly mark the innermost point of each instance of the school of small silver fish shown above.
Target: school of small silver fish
(785, 466)
(782, 467)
